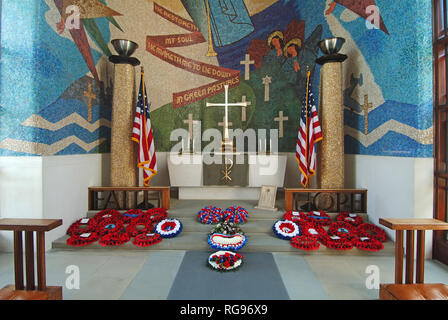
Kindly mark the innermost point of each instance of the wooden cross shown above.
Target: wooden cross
(365, 107)
(90, 96)
(266, 81)
(226, 105)
(243, 109)
(247, 62)
(190, 125)
(280, 119)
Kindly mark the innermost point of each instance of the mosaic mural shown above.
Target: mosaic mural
(56, 81)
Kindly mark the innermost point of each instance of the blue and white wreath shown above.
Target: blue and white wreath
(169, 228)
(286, 230)
(234, 242)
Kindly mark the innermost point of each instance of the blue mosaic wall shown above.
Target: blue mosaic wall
(44, 78)
(43, 84)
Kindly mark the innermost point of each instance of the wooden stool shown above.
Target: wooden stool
(409, 290)
(19, 291)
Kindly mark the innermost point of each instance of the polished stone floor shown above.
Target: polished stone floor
(149, 275)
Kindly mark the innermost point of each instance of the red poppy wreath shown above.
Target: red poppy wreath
(147, 239)
(306, 243)
(372, 231)
(83, 239)
(84, 225)
(114, 239)
(295, 216)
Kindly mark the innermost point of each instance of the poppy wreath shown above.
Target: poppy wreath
(107, 214)
(313, 230)
(225, 261)
(319, 217)
(306, 243)
(156, 214)
(109, 225)
(83, 239)
(169, 228)
(114, 239)
(285, 229)
(131, 215)
(343, 229)
(337, 243)
(133, 228)
(147, 239)
(235, 214)
(227, 242)
(367, 244)
(352, 218)
(210, 215)
(80, 226)
(372, 231)
(295, 216)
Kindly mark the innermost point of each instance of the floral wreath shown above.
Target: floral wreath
(225, 261)
(107, 214)
(306, 243)
(83, 239)
(132, 230)
(352, 218)
(156, 214)
(295, 216)
(210, 215)
(372, 231)
(220, 241)
(343, 229)
(337, 243)
(169, 228)
(114, 239)
(313, 230)
(83, 225)
(286, 230)
(131, 215)
(147, 239)
(228, 228)
(319, 217)
(367, 244)
(235, 214)
(109, 225)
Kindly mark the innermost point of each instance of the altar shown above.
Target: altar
(198, 180)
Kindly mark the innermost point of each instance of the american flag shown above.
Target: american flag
(142, 134)
(309, 134)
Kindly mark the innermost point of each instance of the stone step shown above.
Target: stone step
(271, 216)
(256, 242)
(253, 225)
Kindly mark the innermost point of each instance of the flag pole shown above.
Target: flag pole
(307, 123)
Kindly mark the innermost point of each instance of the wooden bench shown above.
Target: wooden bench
(19, 291)
(353, 200)
(116, 197)
(410, 290)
